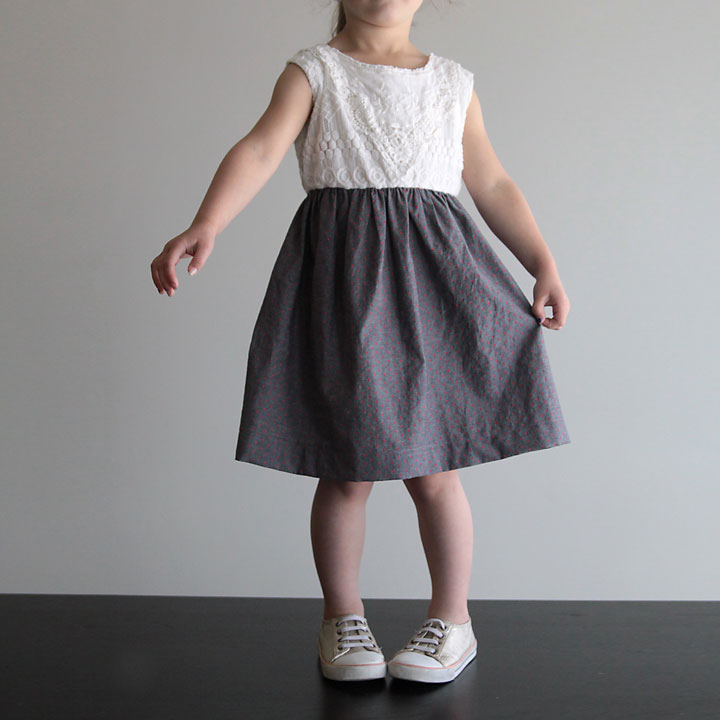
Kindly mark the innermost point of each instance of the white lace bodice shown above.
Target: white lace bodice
(381, 125)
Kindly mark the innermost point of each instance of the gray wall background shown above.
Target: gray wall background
(120, 407)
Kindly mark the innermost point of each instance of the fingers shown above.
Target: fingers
(201, 254)
(167, 261)
(550, 293)
(197, 246)
(163, 272)
(538, 307)
(167, 272)
(552, 323)
(560, 312)
(156, 277)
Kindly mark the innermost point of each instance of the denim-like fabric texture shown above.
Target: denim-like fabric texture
(393, 342)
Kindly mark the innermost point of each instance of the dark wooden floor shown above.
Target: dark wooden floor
(138, 658)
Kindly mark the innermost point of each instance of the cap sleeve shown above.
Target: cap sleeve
(467, 81)
(310, 64)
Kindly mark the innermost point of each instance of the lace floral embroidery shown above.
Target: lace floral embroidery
(380, 125)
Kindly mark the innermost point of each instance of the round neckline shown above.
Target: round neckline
(426, 66)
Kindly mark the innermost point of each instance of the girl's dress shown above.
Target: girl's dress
(392, 341)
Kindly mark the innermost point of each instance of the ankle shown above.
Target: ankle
(456, 617)
(330, 612)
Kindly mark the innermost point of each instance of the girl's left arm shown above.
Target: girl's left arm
(507, 213)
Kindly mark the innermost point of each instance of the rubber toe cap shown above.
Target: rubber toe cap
(416, 658)
(361, 657)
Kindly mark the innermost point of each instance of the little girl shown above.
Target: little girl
(392, 342)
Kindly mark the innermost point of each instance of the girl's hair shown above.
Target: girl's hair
(340, 19)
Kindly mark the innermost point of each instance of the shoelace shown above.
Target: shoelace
(423, 639)
(356, 635)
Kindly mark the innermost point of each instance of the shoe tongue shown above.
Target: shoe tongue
(435, 622)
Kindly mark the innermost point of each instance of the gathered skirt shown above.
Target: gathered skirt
(393, 342)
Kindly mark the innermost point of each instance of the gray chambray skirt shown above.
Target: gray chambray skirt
(393, 342)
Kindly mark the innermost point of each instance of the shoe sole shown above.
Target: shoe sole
(374, 671)
(418, 673)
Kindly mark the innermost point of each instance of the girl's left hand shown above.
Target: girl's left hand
(548, 290)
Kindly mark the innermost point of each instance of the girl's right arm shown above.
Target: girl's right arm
(246, 167)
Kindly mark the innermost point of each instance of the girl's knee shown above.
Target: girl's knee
(425, 487)
(350, 489)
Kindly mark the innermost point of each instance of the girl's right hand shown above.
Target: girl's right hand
(197, 242)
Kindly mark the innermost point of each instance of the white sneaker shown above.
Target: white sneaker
(437, 652)
(348, 651)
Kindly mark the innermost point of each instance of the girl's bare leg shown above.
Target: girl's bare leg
(446, 531)
(337, 531)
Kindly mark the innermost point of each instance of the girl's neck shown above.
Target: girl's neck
(386, 51)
